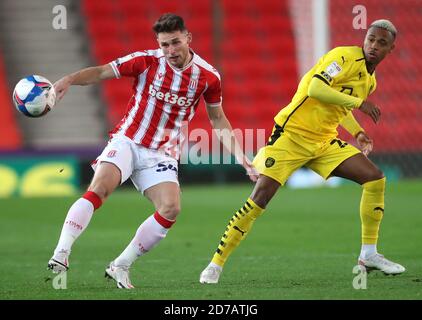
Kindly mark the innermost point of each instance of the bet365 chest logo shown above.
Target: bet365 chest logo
(169, 97)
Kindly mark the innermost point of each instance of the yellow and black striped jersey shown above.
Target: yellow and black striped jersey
(344, 69)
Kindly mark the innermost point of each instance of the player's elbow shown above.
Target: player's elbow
(105, 72)
(313, 89)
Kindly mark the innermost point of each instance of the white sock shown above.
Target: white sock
(149, 233)
(76, 221)
(368, 250)
(212, 264)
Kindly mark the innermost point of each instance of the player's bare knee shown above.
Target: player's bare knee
(169, 210)
(99, 190)
(375, 175)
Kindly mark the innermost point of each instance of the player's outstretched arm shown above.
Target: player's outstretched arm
(225, 133)
(324, 93)
(364, 142)
(83, 77)
(319, 90)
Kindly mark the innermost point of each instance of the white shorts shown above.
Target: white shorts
(145, 167)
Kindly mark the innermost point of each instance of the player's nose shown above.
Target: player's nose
(374, 46)
(172, 50)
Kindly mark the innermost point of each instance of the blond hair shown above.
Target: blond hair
(386, 25)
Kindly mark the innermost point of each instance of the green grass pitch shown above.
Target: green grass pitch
(303, 247)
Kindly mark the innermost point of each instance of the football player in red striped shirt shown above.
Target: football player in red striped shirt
(145, 145)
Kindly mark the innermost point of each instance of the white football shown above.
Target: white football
(34, 96)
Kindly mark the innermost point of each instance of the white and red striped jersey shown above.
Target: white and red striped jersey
(164, 98)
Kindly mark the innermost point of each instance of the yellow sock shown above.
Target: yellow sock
(372, 210)
(237, 229)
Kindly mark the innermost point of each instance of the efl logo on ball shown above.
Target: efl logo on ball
(34, 96)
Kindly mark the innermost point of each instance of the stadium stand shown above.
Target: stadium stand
(10, 137)
(259, 47)
(258, 61)
(34, 46)
(258, 66)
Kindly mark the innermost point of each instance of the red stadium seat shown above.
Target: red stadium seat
(199, 26)
(10, 135)
(259, 66)
(92, 8)
(134, 8)
(236, 8)
(101, 28)
(106, 52)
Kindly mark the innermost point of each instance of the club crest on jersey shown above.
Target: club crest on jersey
(193, 84)
(111, 153)
(269, 162)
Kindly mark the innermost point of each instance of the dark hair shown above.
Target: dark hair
(169, 22)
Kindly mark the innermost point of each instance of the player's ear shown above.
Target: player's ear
(392, 48)
(189, 37)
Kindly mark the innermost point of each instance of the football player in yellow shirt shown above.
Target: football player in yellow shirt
(305, 134)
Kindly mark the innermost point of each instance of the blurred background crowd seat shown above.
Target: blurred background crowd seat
(253, 44)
